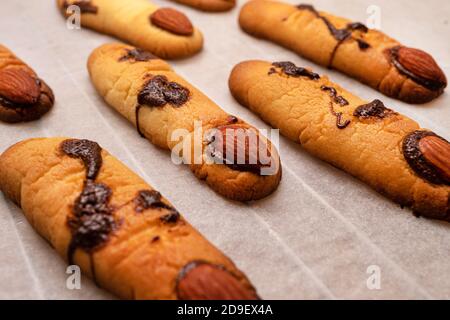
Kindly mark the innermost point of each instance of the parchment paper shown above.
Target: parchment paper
(314, 238)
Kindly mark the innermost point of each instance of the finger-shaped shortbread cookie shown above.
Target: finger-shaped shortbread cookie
(98, 214)
(368, 55)
(387, 150)
(23, 95)
(165, 109)
(164, 32)
(209, 5)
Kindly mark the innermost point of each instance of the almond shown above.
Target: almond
(420, 66)
(239, 148)
(19, 87)
(437, 152)
(204, 281)
(173, 21)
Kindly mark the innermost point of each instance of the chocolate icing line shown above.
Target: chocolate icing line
(158, 91)
(339, 34)
(374, 109)
(291, 69)
(334, 98)
(137, 55)
(151, 199)
(92, 218)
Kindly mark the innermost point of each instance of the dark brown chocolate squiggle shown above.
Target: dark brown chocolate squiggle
(292, 70)
(147, 199)
(335, 98)
(137, 55)
(159, 91)
(339, 34)
(92, 220)
(374, 109)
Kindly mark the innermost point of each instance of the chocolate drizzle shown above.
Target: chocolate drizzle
(374, 109)
(335, 98)
(88, 151)
(291, 69)
(416, 159)
(151, 199)
(357, 26)
(430, 84)
(363, 45)
(338, 115)
(92, 220)
(136, 115)
(18, 107)
(340, 35)
(137, 55)
(85, 6)
(157, 92)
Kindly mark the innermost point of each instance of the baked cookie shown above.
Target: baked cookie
(98, 214)
(164, 32)
(167, 110)
(23, 95)
(370, 56)
(209, 5)
(383, 148)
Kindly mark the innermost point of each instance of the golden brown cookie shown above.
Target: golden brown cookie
(167, 109)
(383, 148)
(368, 55)
(165, 32)
(23, 95)
(209, 5)
(98, 214)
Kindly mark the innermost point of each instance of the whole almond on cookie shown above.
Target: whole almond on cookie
(173, 21)
(208, 282)
(421, 64)
(18, 86)
(240, 148)
(437, 152)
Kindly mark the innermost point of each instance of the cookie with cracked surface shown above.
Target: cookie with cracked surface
(368, 55)
(232, 157)
(372, 142)
(165, 32)
(98, 214)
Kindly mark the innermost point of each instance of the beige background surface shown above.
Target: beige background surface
(314, 238)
